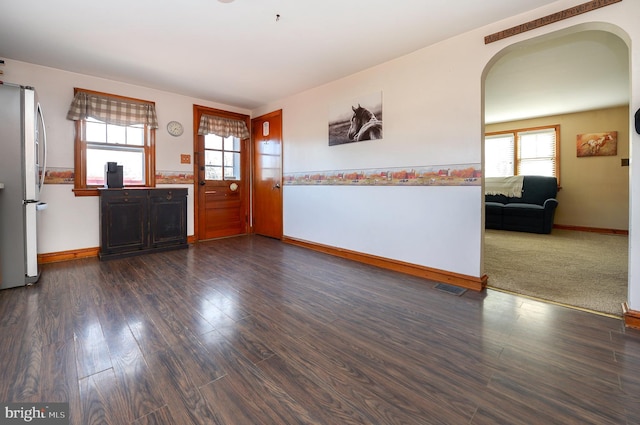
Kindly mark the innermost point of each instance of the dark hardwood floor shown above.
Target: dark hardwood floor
(249, 330)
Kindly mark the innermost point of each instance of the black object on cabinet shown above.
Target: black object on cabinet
(139, 221)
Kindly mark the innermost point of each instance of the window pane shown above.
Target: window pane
(95, 131)
(212, 172)
(212, 157)
(499, 156)
(213, 165)
(536, 145)
(135, 135)
(116, 134)
(232, 144)
(537, 152)
(232, 166)
(131, 160)
(211, 141)
(536, 167)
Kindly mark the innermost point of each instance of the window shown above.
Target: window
(532, 151)
(112, 128)
(222, 157)
(114, 143)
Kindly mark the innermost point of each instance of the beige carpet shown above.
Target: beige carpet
(581, 269)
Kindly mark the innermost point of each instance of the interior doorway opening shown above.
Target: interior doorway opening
(509, 66)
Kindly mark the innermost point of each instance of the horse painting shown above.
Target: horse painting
(364, 125)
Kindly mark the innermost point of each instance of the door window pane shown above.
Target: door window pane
(232, 166)
(212, 172)
(222, 157)
(232, 144)
(213, 157)
(211, 141)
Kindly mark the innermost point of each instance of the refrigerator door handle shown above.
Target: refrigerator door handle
(44, 148)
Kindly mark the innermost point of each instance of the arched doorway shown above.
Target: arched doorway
(559, 77)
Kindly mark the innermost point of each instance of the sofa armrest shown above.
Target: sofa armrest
(549, 212)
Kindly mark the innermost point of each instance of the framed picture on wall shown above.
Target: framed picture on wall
(597, 144)
(356, 120)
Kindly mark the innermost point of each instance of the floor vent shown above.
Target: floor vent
(450, 289)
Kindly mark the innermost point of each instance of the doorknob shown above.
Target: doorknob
(277, 186)
(202, 183)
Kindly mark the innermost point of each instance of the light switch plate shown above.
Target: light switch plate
(185, 158)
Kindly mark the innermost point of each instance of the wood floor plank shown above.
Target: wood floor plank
(251, 330)
(92, 351)
(57, 313)
(551, 401)
(136, 387)
(363, 383)
(161, 416)
(59, 382)
(322, 403)
(182, 395)
(24, 363)
(13, 306)
(101, 400)
(245, 387)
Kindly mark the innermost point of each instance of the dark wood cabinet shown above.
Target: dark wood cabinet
(138, 221)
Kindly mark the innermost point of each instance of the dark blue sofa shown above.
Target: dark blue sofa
(532, 213)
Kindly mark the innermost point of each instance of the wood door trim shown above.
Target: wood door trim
(197, 111)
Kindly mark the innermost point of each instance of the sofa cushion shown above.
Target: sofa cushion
(537, 189)
(498, 199)
(494, 206)
(493, 215)
(522, 209)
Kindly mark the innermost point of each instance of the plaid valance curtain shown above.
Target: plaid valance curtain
(223, 127)
(112, 110)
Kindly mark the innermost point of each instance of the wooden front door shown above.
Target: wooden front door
(222, 170)
(266, 132)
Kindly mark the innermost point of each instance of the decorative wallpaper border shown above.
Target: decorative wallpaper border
(174, 177)
(61, 175)
(428, 175)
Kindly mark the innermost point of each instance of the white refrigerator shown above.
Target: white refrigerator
(22, 169)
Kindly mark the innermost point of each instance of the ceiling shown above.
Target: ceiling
(249, 52)
(570, 73)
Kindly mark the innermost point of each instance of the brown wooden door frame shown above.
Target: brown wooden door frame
(198, 171)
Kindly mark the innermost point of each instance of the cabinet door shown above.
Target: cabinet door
(124, 221)
(168, 217)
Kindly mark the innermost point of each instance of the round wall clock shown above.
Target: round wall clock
(175, 128)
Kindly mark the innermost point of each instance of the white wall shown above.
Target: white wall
(71, 222)
(432, 113)
(432, 226)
